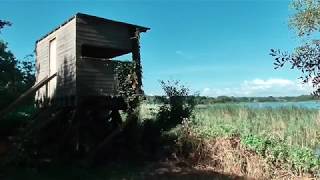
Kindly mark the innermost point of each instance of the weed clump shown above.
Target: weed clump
(178, 105)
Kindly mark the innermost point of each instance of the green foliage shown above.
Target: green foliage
(173, 109)
(127, 84)
(177, 106)
(125, 76)
(305, 58)
(18, 117)
(307, 16)
(295, 126)
(15, 76)
(276, 152)
(285, 137)
(3, 24)
(230, 99)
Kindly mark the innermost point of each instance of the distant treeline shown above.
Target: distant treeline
(227, 99)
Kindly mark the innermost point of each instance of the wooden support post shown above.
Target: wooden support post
(136, 58)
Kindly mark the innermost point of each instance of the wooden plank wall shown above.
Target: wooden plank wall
(96, 77)
(66, 61)
(102, 34)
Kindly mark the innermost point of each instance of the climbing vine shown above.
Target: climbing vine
(128, 84)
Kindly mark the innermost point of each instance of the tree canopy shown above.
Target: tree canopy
(305, 58)
(306, 18)
(3, 24)
(16, 76)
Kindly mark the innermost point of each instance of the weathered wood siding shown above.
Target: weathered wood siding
(96, 77)
(66, 61)
(91, 31)
(79, 76)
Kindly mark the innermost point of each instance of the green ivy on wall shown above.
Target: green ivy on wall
(128, 83)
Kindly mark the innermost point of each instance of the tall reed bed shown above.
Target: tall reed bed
(295, 126)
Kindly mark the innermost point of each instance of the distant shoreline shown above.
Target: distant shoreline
(232, 99)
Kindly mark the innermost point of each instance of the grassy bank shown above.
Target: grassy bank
(294, 126)
(228, 139)
(286, 137)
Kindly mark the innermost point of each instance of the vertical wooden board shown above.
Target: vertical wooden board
(66, 48)
(65, 61)
(42, 67)
(103, 34)
(52, 86)
(96, 78)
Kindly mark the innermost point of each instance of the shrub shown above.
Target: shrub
(178, 105)
(190, 145)
(300, 160)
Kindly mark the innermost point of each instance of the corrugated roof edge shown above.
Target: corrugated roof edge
(141, 28)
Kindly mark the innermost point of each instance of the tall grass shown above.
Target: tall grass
(286, 137)
(294, 126)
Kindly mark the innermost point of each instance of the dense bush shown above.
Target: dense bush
(16, 76)
(177, 106)
(278, 153)
(127, 84)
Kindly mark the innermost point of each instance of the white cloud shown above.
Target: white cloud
(260, 87)
(183, 54)
(206, 91)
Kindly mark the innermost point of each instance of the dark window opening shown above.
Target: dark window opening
(101, 52)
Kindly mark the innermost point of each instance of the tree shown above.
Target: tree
(307, 16)
(306, 58)
(177, 106)
(15, 76)
(3, 24)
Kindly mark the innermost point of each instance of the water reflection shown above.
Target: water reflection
(301, 104)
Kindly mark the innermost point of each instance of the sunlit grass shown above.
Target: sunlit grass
(295, 126)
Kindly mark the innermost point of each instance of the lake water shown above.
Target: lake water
(301, 104)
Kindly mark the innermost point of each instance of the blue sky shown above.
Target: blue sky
(214, 47)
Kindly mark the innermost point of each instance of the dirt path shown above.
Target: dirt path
(181, 170)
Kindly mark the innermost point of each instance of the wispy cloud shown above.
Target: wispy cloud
(260, 87)
(184, 54)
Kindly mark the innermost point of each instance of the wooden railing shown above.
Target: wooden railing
(28, 93)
